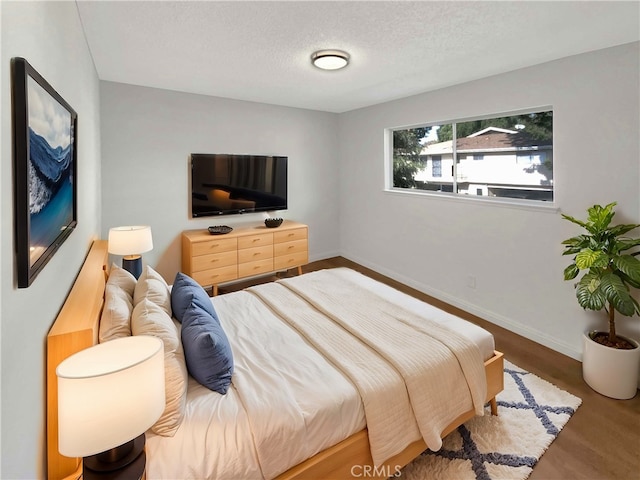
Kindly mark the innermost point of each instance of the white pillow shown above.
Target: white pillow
(122, 278)
(153, 287)
(151, 319)
(118, 305)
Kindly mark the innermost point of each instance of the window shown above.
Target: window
(530, 158)
(504, 157)
(436, 165)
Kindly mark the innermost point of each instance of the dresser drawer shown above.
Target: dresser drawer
(214, 260)
(289, 235)
(295, 246)
(259, 240)
(289, 261)
(214, 246)
(255, 253)
(216, 275)
(255, 268)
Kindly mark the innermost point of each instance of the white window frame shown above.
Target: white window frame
(535, 205)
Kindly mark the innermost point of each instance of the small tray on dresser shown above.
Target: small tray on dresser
(219, 229)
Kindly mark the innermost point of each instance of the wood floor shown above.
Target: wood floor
(602, 439)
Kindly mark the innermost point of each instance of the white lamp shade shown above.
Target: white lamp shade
(130, 240)
(109, 394)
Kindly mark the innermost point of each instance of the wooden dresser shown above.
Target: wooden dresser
(245, 252)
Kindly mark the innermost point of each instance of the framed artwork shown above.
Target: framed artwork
(45, 147)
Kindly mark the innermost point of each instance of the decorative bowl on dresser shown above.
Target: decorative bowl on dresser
(219, 229)
(272, 222)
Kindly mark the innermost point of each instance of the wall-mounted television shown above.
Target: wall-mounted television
(224, 184)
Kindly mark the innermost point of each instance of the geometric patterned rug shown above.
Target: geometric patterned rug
(531, 413)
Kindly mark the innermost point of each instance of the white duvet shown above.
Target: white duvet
(286, 402)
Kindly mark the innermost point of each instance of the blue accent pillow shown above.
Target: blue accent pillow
(185, 291)
(206, 349)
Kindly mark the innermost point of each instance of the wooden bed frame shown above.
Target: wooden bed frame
(76, 328)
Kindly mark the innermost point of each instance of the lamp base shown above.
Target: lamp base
(125, 462)
(133, 265)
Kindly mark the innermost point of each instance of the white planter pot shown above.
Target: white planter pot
(611, 371)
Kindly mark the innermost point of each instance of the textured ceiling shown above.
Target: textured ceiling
(260, 51)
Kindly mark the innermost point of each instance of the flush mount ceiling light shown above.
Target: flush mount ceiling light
(330, 59)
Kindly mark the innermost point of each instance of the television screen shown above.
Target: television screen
(223, 184)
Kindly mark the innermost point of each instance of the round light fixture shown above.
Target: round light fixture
(330, 59)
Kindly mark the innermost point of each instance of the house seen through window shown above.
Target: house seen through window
(509, 157)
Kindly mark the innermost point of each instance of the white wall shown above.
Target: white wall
(434, 244)
(50, 37)
(148, 134)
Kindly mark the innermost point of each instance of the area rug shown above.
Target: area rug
(531, 413)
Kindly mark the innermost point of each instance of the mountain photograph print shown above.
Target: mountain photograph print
(45, 158)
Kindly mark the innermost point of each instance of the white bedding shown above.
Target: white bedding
(286, 402)
(481, 337)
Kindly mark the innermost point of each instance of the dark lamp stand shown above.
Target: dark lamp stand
(133, 264)
(125, 462)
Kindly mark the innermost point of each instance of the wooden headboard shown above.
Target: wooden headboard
(75, 329)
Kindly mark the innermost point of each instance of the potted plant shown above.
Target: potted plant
(610, 269)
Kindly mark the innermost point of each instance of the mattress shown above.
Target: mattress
(286, 402)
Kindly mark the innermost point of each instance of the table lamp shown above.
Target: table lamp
(108, 396)
(130, 242)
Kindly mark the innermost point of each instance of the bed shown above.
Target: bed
(321, 447)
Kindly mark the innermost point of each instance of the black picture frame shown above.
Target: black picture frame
(45, 167)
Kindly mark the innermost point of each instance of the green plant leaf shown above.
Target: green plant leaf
(622, 229)
(629, 265)
(600, 217)
(576, 244)
(577, 241)
(617, 293)
(626, 244)
(588, 258)
(589, 294)
(571, 272)
(628, 280)
(574, 220)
